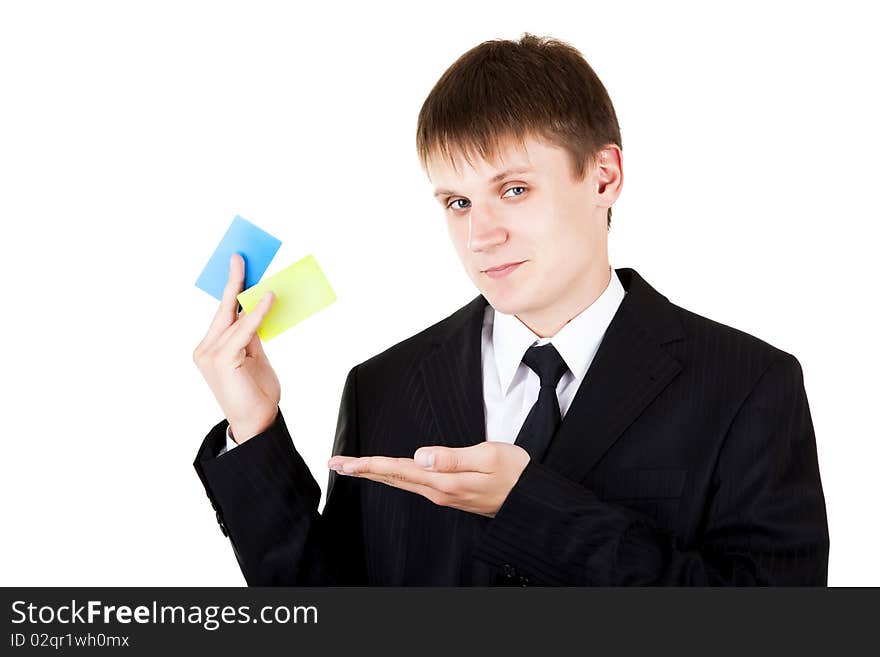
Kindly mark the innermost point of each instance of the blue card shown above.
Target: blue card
(254, 244)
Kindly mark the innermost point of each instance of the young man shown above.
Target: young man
(568, 426)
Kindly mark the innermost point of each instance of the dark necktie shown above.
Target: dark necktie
(544, 418)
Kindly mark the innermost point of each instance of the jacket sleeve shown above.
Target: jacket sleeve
(266, 500)
(765, 522)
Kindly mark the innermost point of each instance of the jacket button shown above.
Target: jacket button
(222, 526)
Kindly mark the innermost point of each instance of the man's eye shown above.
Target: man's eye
(520, 193)
(459, 207)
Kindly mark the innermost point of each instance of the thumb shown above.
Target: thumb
(448, 459)
(239, 335)
(425, 456)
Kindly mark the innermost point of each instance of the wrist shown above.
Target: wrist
(244, 431)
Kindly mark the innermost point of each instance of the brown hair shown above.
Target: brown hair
(504, 89)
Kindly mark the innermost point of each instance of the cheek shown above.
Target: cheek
(543, 232)
(558, 243)
(457, 230)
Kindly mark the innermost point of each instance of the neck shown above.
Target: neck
(548, 321)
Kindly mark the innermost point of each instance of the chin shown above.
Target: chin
(509, 302)
(511, 295)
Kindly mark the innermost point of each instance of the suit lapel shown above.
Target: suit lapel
(453, 377)
(629, 370)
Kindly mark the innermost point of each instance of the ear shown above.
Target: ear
(609, 175)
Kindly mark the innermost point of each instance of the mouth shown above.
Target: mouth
(502, 270)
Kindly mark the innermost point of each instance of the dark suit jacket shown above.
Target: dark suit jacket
(687, 457)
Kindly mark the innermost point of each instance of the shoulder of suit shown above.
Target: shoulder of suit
(419, 344)
(729, 340)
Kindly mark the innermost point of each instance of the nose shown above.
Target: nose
(484, 231)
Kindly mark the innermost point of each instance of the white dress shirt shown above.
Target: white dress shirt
(510, 387)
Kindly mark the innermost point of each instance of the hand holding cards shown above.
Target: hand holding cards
(300, 290)
(231, 356)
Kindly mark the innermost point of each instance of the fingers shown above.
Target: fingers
(427, 492)
(392, 471)
(227, 311)
(401, 470)
(445, 489)
(239, 335)
(255, 346)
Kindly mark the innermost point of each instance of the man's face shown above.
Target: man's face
(525, 208)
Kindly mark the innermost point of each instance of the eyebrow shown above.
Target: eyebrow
(494, 179)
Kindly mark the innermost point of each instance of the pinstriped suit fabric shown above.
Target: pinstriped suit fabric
(687, 457)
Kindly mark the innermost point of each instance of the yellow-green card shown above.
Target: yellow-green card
(300, 291)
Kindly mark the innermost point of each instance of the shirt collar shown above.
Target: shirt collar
(577, 341)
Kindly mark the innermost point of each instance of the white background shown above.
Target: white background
(132, 133)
